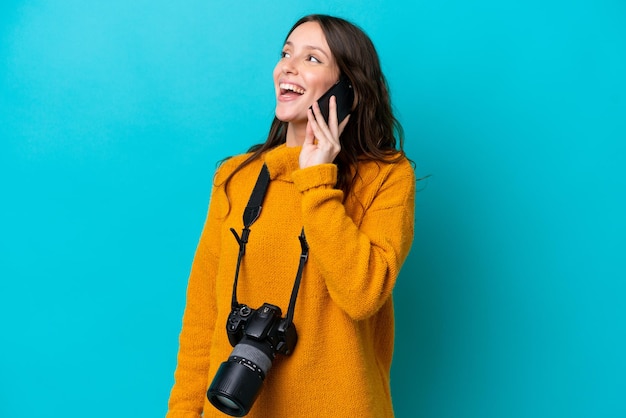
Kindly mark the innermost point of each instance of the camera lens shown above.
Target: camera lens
(239, 379)
(227, 402)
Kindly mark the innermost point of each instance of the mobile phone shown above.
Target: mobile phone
(344, 94)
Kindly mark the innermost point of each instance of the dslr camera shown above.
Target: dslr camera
(257, 335)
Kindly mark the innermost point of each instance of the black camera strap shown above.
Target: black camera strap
(250, 214)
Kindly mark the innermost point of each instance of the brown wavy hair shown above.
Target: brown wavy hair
(373, 132)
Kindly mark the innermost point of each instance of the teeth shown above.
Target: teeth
(291, 87)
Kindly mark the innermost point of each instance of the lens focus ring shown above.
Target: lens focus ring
(252, 358)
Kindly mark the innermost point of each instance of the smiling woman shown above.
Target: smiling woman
(306, 70)
(339, 191)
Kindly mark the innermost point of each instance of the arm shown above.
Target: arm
(189, 390)
(359, 263)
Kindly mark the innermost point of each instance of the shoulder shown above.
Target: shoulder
(397, 168)
(228, 166)
(380, 185)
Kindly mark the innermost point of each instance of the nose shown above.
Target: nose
(289, 67)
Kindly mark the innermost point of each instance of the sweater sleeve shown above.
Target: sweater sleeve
(359, 263)
(190, 378)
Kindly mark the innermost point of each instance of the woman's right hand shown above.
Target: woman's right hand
(321, 141)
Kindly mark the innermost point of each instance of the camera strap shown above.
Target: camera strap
(250, 214)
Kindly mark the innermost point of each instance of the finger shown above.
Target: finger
(317, 112)
(309, 135)
(323, 132)
(318, 125)
(332, 113)
(343, 124)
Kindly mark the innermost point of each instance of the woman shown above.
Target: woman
(349, 188)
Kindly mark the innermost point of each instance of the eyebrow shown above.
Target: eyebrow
(316, 48)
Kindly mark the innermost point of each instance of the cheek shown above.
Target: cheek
(325, 83)
(327, 80)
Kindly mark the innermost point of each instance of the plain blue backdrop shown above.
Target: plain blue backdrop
(113, 115)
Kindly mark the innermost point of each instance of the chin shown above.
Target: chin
(289, 117)
(281, 117)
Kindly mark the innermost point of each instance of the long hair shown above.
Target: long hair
(372, 132)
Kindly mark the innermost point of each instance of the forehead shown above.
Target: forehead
(308, 34)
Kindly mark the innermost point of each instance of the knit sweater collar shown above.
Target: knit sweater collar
(282, 161)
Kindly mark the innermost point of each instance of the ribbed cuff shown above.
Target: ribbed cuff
(322, 175)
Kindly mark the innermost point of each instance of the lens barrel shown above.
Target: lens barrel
(234, 388)
(238, 380)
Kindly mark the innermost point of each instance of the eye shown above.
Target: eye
(284, 54)
(313, 58)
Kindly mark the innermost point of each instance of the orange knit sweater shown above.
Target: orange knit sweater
(344, 314)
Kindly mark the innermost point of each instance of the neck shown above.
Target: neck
(295, 134)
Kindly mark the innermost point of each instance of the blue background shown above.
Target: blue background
(114, 113)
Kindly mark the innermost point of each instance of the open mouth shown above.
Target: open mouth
(287, 88)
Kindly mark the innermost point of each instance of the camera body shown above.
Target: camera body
(257, 335)
(264, 324)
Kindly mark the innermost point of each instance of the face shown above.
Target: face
(306, 70)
